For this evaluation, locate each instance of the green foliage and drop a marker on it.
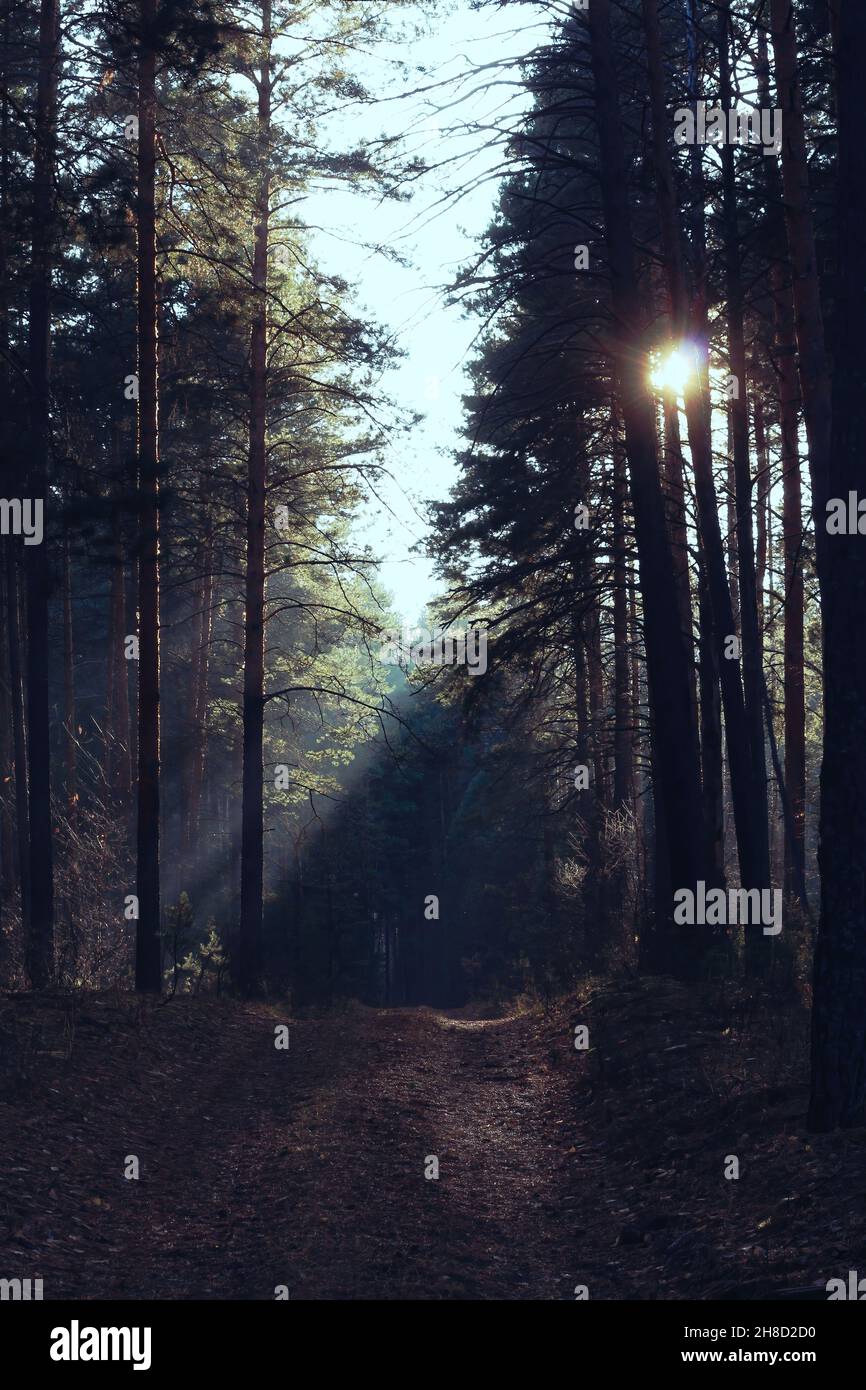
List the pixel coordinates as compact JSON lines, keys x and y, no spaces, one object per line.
{"x":196,"y":964}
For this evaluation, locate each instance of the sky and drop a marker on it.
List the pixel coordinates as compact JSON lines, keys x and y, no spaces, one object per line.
{"x":435,"y":338}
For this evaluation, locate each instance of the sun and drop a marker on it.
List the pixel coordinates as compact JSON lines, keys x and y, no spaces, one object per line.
{"x":673,"y":370}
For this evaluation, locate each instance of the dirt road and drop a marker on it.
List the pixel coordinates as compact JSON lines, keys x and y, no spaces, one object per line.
{"x":305,"y":1168}
{"x":310,"y":1169}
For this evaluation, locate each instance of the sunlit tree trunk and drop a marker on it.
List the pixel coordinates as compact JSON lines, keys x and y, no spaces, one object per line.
{"x":788,"y":391}
{"x":624,"y":718}
{"x":731,"y":520}
{"x":252,"y":831}
{"x":751,"y":826}
{"x":762,"y":491}
{"x":753,"y":676}
{"x":792,"y":542}
{"x":779,"y":346}
{"x":667,"y":657}
{"x":675,"y":506}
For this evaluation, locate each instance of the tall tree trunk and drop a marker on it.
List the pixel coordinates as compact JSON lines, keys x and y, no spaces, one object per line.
{"x":8,"y":864}
{"x":712,"y":758}
{"x":792,"y":540}
{"x":751,"y":827}
{"x":581,"y":685}
{"x":148,"y":947}
{"x":198,"y":696}
{"x":808,"y":316}
{"x":792,"y":518}
{"x":40,"y":944}
{"x":763,"y":491}
{"x":623,"y":767}
{"x":712,"y":754}
{"x":19,"y":734}
{"x":589,"y":801}
{"x":675,"y":506}
{"x":731,"y":520}
{"x":773,"y":610}
{"x":8,"y":848}
{"x":680,"y":314}
{"x":750,"y":633}
{"x":659,"y":951}
{"x":595,"y":672}
{"x":667,"y":658}
{"x":839,"y":1016}
{"x":641,"y":785}
{"x":252,"y":830}
{"x":118,"y":772}
{"x":192,"y":707}
{"x":70,"y":735}
{"x":233,"y":819}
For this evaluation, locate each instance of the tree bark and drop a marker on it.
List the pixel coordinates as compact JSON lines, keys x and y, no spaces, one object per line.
{"x":712,"y":755}
{"x":667,"y":658}
{"x":252,"y":828}
{"x":8,"y":845}
{"x":19,"y":735}
{"x":198,"y":695}
{"x":675,"y":507}
{"x":751,"y":827}
{"x":148,"y":946}
{"x":70,"y":736}
{"x":808,"y":316}
{"x":838,"y":1096}
{"x":753,"y":676}
{"x":118,"y":772}
{"x":792,"y":541}
{"x":788,"y":391}
{"x":8,"y":864}
{"x":623,"y":766}
{"x":40,"y":942}
{"x":763,"y":492}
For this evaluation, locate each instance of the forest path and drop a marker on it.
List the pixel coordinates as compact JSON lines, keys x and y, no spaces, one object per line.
{"x":302,"y":1167}
{"x":417,"y":1085}
{"x":305,"y":1167}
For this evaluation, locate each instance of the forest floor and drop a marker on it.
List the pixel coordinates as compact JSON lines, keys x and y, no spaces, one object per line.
{"x":305,"y":1167}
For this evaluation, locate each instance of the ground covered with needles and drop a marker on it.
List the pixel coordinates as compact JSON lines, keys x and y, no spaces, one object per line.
{"x":304,"y":1169}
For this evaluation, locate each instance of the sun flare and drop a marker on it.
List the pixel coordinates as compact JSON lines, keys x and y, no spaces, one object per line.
{"x":673,"y":370}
